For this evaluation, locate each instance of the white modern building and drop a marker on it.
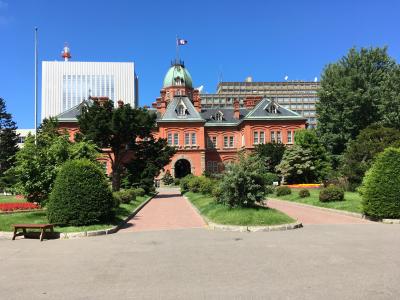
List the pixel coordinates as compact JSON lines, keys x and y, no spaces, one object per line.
{"x":23,"y":134}
{"x":65,"y":84}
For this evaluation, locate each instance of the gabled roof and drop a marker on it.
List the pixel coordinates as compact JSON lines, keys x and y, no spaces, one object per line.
{"x":228,"y":116}
{"x":71,"y":115}
{"x":171,"y":114}
{"x":261,"y":112}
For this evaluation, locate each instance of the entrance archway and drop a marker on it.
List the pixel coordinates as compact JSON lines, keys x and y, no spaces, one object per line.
{"x":182,"y":168}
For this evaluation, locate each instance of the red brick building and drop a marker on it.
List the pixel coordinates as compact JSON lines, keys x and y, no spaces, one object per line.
{"x":208,"y":138}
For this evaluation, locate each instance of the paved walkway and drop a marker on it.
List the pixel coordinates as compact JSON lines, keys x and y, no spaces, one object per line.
{"x":309,"y":215}
{"x":168,"y":210}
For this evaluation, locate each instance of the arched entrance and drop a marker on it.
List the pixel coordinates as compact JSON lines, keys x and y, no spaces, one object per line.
{"x":182,"y":168}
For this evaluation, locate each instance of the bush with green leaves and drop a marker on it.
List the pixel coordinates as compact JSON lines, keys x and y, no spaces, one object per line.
{"x":167,"y":179}
{"x":304,"y":193}
{"x":283,"y":190}
{"x":81,"y":195}
{"x":331,"y":193}
{"x":140,"y":192}
{"x":184,"y":183}
{"x":177,"y":181}
{"x":270,"y":178}
{"x":380,"y":189}
{"x":125,"y":196}
{"x":242,"y":184}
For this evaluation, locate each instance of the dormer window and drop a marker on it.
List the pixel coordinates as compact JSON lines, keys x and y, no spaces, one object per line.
{"x":272,"y":108}
{"x":181,"y":110}
{"x":219,"y":116}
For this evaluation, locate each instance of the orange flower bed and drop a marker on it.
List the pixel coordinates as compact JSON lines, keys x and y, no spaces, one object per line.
{"x":305,"y":186}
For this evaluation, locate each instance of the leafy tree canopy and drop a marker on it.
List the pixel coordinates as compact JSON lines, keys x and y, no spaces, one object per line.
{"x":360,"y":153}
{"x":124,"y":130}
{"x":8,"y":141}
{"x":297,"y":165}
{"x":360,"y":89}
{"x":271,"y":154}
{"x":308,"y":139}
{"x":37,"y":165}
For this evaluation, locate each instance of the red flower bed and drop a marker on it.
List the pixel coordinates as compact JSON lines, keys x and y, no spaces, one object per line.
{"x":18,"y":206}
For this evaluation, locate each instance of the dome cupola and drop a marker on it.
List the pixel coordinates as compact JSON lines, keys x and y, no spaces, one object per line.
{"x":178,"y":75}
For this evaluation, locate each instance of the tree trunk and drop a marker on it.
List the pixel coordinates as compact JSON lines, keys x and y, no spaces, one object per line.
{"x":116,"y":179}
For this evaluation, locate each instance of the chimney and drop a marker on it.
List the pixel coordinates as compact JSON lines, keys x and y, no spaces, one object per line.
{"x":251,"y":101}
{"x":197,"y":100}
{"x":100,"y":100}
{"x":154,"y":104}
{"x":120,"y":103}
{"x":236,"y":112}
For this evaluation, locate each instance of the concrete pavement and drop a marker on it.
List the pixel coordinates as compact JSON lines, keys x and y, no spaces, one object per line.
{"x":316,"y":262}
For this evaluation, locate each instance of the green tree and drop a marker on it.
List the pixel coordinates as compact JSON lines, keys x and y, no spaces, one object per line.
{"x":81,"y":195}
{"x":243,"y":183}
{"x":360,"y":153}
{"x":271,"y":154}
{"x":380,"y":189}
{"x":8,"y":143}
{"x":308,"y":139}
{"x":121,"y":130}
{"x":297,"y":165}
{"x":354,"y":93}
{"x":37,"y":165}
{"x":150,"y":158}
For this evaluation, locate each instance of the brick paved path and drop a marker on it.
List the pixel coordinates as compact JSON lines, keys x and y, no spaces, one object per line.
{"x":168,"y":210}
{"x":309,"y":215}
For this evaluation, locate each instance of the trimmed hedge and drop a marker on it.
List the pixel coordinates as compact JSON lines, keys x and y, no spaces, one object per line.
{"x":81,"y":195}
{"x":283,"y":190}
{"x":140,"y":192}
{"x":304,"y":193}
{"x":380,"y":189}
{"x":125,"y":196}
{"x":331,"y":193}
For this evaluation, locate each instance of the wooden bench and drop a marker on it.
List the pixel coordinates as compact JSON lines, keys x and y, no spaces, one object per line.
{"x":24,"y":227}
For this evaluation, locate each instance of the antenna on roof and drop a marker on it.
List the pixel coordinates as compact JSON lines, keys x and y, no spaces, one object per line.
{"x":220,"y":77}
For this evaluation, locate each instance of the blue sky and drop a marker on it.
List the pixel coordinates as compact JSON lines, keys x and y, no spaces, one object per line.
{"x":264,"y":39}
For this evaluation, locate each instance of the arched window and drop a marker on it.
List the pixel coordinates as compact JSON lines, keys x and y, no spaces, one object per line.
{"x":219,"y":116}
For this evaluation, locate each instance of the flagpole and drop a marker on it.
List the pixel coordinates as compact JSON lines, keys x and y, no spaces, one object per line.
{"x":177,"y":49}
{"x":36,"y":83}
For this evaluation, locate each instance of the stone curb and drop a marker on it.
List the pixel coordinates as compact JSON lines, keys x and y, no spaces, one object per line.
{"x":238,"y":228}
{"x":341,"y":212}
{"x":74,"y":235}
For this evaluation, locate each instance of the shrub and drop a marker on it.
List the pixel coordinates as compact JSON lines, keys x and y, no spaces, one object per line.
{"x":380,"y":189}
{"x":331,"y":193}
{"x":216,"y":191}
{"x":206,"y":185}
{"x":270,"y":178}
{"x":184,"y":183}
{"x":125,"y":196}
{"x":242,"y":184}
{"x":304,"y":193}
{"x":283,"y":190}
{"x":167,"y":178}
{"x":81,"y":195}
{"x":177,"y":181}
{"x":140,"y":192}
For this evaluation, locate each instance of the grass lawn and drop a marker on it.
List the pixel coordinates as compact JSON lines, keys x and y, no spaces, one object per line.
{"x":352,"y":200}
{"x":222,"y":214}
{"x":6,"y":220}
{"x":10,"y":199}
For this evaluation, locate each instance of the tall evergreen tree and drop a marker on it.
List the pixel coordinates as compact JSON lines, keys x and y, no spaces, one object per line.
{"x":357,"y":91}
{"x":119,"y":129}
{"x":8,"y":139}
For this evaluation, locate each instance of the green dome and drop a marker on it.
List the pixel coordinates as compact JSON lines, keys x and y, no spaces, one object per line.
{"x":177,"y":75}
